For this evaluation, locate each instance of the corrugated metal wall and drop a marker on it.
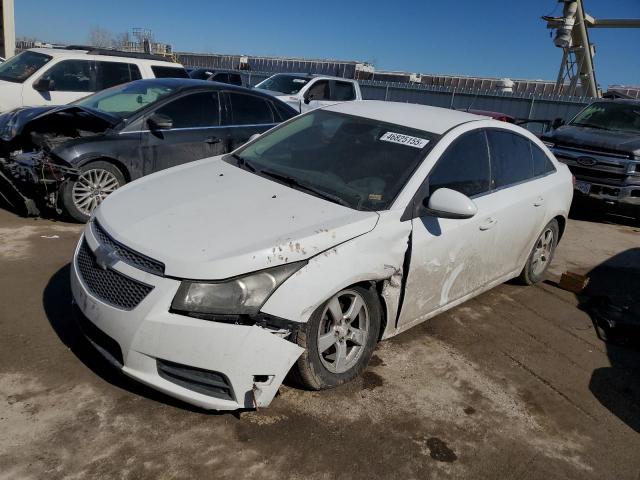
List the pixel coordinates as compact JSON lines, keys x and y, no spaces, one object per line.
{"x":522,"y":106}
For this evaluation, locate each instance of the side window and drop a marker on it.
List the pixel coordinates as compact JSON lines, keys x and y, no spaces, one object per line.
{"x":110,"y":74}
{"x":283,"y":112}
{"x":511,"y":160}
{"x":195,"y":110}
{"x":220,"y":77}
{"x":235,"y":79}
{"x":169,"y":72}
{"x":343,"y":91}
{"x":71,"y":76}
{"x":319,"y":90}
{"x":249,"y":109}
{"x":464,"y":166}
{"x":541,"y":163}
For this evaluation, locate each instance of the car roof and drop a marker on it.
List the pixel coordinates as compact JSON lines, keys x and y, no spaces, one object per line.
{"x":117,"y":56}
{"x":422,"y":117}
{"x":182,"y":84}
{"x":313,"y":75}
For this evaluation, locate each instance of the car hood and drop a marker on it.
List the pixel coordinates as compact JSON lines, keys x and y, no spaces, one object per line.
{"x":595,"y":139}
{"x":12,"y":123}
{"x":211,"y":220}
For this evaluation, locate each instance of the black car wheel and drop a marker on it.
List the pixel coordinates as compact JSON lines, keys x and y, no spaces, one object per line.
{"x":541,"y":255}
{"x":96,"y":181}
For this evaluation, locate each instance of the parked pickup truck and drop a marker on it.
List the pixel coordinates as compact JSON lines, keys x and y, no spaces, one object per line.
{"x":601,"y":146}
{"x":305,"y":92}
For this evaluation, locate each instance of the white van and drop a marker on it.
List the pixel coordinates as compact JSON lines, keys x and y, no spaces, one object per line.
{"x":56,"y":76}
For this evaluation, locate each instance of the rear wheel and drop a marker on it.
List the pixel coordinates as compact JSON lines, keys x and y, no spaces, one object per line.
{"x":96,"y":181}
{"x":542,"y":254}
{"x":338,"y":339}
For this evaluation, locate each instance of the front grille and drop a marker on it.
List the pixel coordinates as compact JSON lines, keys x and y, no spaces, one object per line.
{"x":108,"y":285}
{"x":598,"y":175}
{"x":206,"y":382}
{"x":126,"y":254}
{"x":102,"y":342}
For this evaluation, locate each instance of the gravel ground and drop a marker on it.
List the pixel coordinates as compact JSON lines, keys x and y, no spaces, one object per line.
{"x":513,"y":384}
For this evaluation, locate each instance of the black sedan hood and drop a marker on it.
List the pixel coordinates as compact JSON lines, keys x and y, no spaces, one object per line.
{"x":596,"y":139}
{"x":12,"y":123}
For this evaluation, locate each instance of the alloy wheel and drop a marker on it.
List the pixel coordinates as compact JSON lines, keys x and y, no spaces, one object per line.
{"x":343,"y":331}
{"x":542,"y":252}
{"x":92,"y":187}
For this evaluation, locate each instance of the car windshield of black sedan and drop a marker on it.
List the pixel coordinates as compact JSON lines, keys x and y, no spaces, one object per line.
{"x":357,"y":162}
{"x":287,"y":84}
{"x":125,"y":100}
{"x":623,"y":117}
{"x":22,"y":66}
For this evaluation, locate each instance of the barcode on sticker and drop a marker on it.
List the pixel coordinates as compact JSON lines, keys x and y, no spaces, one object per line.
{"x":407,"y":140}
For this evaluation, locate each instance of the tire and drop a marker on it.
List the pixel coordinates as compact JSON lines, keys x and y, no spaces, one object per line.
{"x":74,"y":192}
{"x":541,"y":255}
{"x":316,"y":370}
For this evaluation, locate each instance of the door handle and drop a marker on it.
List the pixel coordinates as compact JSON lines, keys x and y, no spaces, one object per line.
{"x":538,"y":202}
{"x":213,"y":140}
{"x":490,"y":223}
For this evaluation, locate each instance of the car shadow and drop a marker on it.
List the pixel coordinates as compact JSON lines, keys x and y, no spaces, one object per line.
{"x":612,"y":295}
{"x":598,"y":212}
{"x":56,"y":300}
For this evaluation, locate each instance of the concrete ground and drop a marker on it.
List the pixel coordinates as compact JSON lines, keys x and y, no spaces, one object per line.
{"x":513,"y":384}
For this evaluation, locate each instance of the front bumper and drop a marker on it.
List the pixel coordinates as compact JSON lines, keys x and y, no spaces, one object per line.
{"x":622,"y":195}
{"x":186,"y":358}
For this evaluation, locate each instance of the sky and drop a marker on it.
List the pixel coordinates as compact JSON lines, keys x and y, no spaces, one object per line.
{"x":496,"y":38}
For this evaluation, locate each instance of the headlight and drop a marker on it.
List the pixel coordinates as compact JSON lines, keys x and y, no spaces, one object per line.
{"x":242,"y":295}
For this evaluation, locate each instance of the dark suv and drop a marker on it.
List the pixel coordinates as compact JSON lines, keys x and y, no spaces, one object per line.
{"x":71,"y":157}
{"x":222,"y":76}
{"x":601,"y":146}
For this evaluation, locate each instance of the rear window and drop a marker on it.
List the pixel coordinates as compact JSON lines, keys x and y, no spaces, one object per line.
{"x":541,"y":163}
{"x":169,"y":72}
{"x":111,"y":74}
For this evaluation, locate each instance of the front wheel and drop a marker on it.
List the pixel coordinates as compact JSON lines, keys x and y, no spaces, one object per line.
{"x":338,"y":339}
{"x":96,"y":181}
{"x":540,"y":257}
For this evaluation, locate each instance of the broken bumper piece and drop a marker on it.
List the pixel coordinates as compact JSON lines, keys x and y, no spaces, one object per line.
{"x":208,"y":364}
{"x":28,"y":179}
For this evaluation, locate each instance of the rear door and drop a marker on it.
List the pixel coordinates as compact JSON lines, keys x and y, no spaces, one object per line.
{"x":522,"y":195}
{"x":246,"y":115}
{"x":452,"y":258}
{"x":196,"y":131}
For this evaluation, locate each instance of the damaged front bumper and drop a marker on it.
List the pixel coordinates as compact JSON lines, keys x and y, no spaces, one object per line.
{"x":32,"y":179}
{"x":209,"y":364}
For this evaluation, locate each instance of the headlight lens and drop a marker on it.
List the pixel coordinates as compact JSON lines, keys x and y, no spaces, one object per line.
{"x":242,"y":295}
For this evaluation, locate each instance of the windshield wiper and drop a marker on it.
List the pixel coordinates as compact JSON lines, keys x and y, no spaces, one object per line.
{"x":590,"y":125}
{"x":243,"y":163}
{"x":292,"y":182}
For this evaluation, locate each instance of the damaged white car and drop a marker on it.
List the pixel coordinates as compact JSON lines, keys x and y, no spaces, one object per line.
{"x":301,"y":250}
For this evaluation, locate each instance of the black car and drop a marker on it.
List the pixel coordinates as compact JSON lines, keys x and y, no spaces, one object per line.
{"x":222,"y":76}
{"x":71,"y":157}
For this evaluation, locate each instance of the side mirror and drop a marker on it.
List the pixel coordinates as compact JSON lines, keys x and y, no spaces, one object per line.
{"x":158,"y":121}
{"x":308,"y":98}
{"x":558,"y":122}
{"x":447,"y":203}
{"x":44,"y":85}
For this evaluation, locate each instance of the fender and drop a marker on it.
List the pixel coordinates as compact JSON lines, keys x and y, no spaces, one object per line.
{"x":376,"y":256}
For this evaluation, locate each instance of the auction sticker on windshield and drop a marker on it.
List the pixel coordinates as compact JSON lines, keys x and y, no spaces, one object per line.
{"x":401,"y":139}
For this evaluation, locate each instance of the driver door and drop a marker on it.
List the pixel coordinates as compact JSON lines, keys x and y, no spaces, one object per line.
{"x":318,"y":95}
{"x":452,"y":258}
{"x":195,"y":132}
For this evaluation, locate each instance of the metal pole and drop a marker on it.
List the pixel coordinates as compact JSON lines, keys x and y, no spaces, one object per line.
{"x":386,"y":93}
{"x":587,"y":75}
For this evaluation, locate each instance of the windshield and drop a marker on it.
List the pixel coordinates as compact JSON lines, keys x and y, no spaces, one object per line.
{"x":125,"y":100}
{"x":623,"y":117}
{"x":287,"y":84}
{"x":22,"y":66}
{"x":354,"y":161}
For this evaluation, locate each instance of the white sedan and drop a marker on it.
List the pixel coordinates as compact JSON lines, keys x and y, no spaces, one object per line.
{"x":301,"y":250}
